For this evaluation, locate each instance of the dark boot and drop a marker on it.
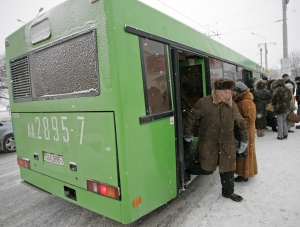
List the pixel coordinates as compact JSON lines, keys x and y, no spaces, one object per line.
{"x":233,"y":196}
{"x":274,"y":129}
{"x":240,"y":179}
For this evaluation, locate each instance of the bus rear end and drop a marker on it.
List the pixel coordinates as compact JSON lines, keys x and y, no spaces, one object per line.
{"x":71,"y":113}
{"x":66,"y":138}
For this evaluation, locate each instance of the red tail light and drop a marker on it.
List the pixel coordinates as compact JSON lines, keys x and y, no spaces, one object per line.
{"x":103,"y":189}
{"x":25,"y":162}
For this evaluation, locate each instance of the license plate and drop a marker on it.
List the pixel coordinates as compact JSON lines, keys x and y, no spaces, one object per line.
{"x":54,"y":158}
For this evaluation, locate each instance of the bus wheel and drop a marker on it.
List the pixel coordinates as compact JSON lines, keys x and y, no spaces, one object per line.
{"x":9,"y":144}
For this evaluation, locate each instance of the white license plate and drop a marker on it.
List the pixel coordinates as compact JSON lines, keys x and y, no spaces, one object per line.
{"x":54,"y":158}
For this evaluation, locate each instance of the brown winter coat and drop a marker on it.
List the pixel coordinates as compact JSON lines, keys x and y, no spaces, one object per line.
{"x":247,"y":166}
{"x":217,"y":122}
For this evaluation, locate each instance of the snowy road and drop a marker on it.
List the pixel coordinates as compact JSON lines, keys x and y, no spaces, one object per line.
{"x":271,"y":198}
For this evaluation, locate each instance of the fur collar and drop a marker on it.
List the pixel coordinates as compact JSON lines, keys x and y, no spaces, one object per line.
{"x":217,"y":100}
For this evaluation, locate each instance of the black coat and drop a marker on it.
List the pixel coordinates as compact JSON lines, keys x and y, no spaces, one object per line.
{"x":262,"y":97}
{"x":298,"y":93}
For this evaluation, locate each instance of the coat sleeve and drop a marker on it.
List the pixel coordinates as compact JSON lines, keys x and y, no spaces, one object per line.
{"x":248,"y":112}
{"x":240,"y":127}
{"x":192,"y":118}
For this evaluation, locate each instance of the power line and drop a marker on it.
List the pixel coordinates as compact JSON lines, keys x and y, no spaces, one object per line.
{"x":240,"y":13}
{"x":186,"y":16}
{"x":243,"y":29}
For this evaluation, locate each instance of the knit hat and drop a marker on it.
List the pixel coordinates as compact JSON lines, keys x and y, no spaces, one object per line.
{"x":240,"y":87}
{"x":297,"y":78}
{"x":224,"y":84}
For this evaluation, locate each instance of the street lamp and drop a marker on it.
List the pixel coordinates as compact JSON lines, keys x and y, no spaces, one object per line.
{"x":266,"y":50}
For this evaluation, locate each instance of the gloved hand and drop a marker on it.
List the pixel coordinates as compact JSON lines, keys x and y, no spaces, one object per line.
{"x":188,"y":138}
{"x":242,"y":151}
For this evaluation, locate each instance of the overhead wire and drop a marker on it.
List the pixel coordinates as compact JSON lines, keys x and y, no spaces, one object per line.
{"x":240,"y":13}
{"x":185,"y":16}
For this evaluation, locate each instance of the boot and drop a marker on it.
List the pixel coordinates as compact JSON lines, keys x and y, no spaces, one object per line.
{"x":262,"y":133}
{"x":258,"y":132}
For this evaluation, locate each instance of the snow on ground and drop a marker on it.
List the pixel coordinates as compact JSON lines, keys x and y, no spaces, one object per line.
{"x":271,"y":198}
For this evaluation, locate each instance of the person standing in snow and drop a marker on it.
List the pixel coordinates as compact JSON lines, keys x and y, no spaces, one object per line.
{"x":290,"y":123}
{"x":281,"y":100}
{"x":218,"y":118}
{"x":271,"y":118}
{"x":262,"y":97}
{"x":246,"y":166}
{"x":297,"y":81}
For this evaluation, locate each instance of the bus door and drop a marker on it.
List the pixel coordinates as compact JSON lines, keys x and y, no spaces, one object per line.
{"x":189,"y":76}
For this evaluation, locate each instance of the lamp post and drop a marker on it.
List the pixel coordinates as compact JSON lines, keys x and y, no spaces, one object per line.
{"x":266,"y":50}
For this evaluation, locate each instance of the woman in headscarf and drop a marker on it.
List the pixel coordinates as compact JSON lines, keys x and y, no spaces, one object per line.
{"x":246,"y":166}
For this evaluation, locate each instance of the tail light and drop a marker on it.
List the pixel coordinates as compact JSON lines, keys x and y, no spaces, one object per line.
{"x":25,"y":162}
{"x":103,"y":189}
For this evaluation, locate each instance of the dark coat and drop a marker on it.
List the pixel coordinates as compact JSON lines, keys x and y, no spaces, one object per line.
{"x":281,"y":98}
{"x":247,"y":166}
{"x":298,"y":93}
{"x":262,"y":97}
{"x":217,"y":122}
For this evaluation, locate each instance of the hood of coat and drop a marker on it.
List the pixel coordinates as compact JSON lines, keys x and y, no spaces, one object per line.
{"x":279,"y":83}
{"x":217,"y":100}
{"x":245,"y":95}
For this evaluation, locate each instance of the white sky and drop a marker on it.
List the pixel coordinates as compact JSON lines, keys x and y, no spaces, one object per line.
{"x":236,"y":20}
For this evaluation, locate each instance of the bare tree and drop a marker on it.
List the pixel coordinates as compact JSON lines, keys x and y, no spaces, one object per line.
{"x":295,"y":58}
{"x":3,"y":77}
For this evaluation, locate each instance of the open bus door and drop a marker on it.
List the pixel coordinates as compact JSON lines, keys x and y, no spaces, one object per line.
{"x":189,"y":84}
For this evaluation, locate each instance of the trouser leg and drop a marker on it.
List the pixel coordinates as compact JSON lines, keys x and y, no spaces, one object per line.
{"x":227,"y":181}
{"x":285,"y":127}
{"x":280,"y":125}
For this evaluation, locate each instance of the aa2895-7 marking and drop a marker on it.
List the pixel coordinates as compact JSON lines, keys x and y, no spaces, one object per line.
{"x":44,"y":128}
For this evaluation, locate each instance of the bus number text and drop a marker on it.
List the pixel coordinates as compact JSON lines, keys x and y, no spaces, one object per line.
{"x":53,"y":128}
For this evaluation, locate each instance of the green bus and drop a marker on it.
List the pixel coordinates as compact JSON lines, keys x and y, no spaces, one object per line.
{"x":98,"y":94}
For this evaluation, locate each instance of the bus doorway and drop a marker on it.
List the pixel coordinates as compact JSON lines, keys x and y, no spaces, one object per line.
{"x":190,"y":85}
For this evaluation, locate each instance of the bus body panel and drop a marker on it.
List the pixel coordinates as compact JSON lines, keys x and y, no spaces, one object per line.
{"x":85,"y":141}
{"x":97,"y":203}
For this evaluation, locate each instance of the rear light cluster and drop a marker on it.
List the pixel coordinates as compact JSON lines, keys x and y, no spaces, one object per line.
{"x":25,"y":162}
{"x":103,"y":189}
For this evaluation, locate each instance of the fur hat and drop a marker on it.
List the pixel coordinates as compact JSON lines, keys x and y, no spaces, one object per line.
{"x":224,"y":84}
{"x":240,"y":87}
{"x":261,"y":84}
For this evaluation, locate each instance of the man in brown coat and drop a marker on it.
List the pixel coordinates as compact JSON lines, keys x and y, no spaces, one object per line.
{"x":219,"y":120}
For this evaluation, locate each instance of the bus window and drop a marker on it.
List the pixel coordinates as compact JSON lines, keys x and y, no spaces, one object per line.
{"x":240,"y":73}
{"x":230,"y":71}
{"x":155,"y":77}
{"x":216,"y":70}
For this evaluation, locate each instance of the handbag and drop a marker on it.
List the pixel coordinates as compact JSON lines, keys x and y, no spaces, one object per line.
{"x":293,"y":117}
{"x":270,"y":107}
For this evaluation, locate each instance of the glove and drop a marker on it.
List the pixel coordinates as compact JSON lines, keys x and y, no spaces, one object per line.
{"x":242,"y":151}
{"x":188,"y":138}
